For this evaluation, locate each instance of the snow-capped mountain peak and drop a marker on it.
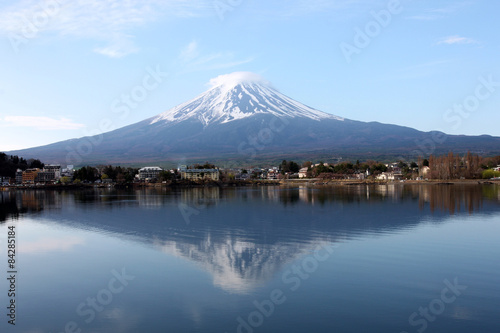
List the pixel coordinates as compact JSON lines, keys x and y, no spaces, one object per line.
{"x":237,"y":96}
{"x":229,"y":81}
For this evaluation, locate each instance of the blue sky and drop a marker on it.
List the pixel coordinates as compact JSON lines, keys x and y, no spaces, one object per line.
{"x":65,"y":66}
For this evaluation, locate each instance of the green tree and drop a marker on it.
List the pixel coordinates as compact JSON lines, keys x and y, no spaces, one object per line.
{"x":165,"y":176}
{"x":65,"y":180}
{"x":33,"y":163}
{"x":490,"y":173}
{"x":87,"y":173}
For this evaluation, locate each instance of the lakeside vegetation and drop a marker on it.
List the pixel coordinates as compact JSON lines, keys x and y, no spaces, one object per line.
{"x":445,"y":167}
{"x":10,"y":163}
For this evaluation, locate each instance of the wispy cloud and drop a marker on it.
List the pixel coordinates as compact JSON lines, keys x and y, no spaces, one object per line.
{"x":121,"y":46}
{"x":450,"y":40}
{"x":110,"y":21}
{"x":192,"y":59}
{"x":41,"y":123}
{"x":297,"y":8}
{"x":439,"y":13}
{"x":417,"y":71}
{"x":190,"y":52}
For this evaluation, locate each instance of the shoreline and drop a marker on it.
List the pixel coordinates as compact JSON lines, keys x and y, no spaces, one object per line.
{"x":232,"y":184}
{"x":320,"y":182}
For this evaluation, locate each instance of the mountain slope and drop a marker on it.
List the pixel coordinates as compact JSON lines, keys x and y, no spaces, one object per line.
{"x":239,"y":96}
{"x":243,"y":118}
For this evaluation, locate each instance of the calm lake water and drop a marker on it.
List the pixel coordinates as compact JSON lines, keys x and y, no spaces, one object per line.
{"x":389,"y":258}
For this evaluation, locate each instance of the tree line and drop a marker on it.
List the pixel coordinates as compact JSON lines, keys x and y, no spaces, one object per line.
{"x":10,"y":163}
{"x":468,"y":166}
{"x":116,"y":174}
{"x":340,"y":170}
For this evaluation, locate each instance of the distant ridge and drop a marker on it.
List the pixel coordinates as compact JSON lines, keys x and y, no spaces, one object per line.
{"x":243,"y":119}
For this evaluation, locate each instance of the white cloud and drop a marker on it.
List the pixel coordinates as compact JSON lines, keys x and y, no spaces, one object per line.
{"x":193,"y":60}
{"x":120,"y":47}
{"x":439,"y":13}
{"x":105,"y":20}
{"x":297,"y":8}
{"x":457,"y":40}
{"x":190,"y":52}
{"x":425,"y":17}
{"x":236,"y":78}
{"x":41,"y":123}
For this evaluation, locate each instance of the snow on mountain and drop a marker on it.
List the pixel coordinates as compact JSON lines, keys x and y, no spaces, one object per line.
{"x":236,"y":120}
{"x":237,"y":96}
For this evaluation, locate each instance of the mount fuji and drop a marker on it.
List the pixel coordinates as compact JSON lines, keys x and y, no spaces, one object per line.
{"x":242,"y":118}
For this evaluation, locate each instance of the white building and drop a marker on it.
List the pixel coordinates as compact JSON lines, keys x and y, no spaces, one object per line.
{"x":149,"y":173}
{"x":68,"y":171}
{"x":4,"y":181}
{"x":389,"y":176}
{"x":200,"y":174}
{"x":53,"y":169}
{"x":425,"y":171}
{"x":303,"y":173}
{"x":19,"y":176}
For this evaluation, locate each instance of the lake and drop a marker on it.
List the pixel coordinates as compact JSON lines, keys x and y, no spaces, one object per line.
{"x":382,"y":258}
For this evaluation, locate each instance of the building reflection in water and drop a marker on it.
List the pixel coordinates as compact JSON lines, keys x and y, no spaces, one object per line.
{"x":444,"y":198}
{"x":254,"y":232}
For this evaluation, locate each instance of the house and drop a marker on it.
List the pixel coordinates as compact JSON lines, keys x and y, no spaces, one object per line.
{"x":272,"y":175}
{"x":200,"y":174}
{"x":497,"y":168}
{"x":4,"y":181}
{"x":242,"y":176}
{"x":45,"y":176}
{"x":55,"y":169}
{"x":29,"y":176}
{"x":68,"y":171}
{"x":425,"y":171}
{"x":149,"y":173}
{"x":303,"y":172}
{"x":389,"y":176}
{"x":385,"y":176}
{"x":359,"y":176}
{"x":19,"y":176}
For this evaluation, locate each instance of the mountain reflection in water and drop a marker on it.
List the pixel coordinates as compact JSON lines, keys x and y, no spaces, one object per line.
{"x":243,"y":237}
